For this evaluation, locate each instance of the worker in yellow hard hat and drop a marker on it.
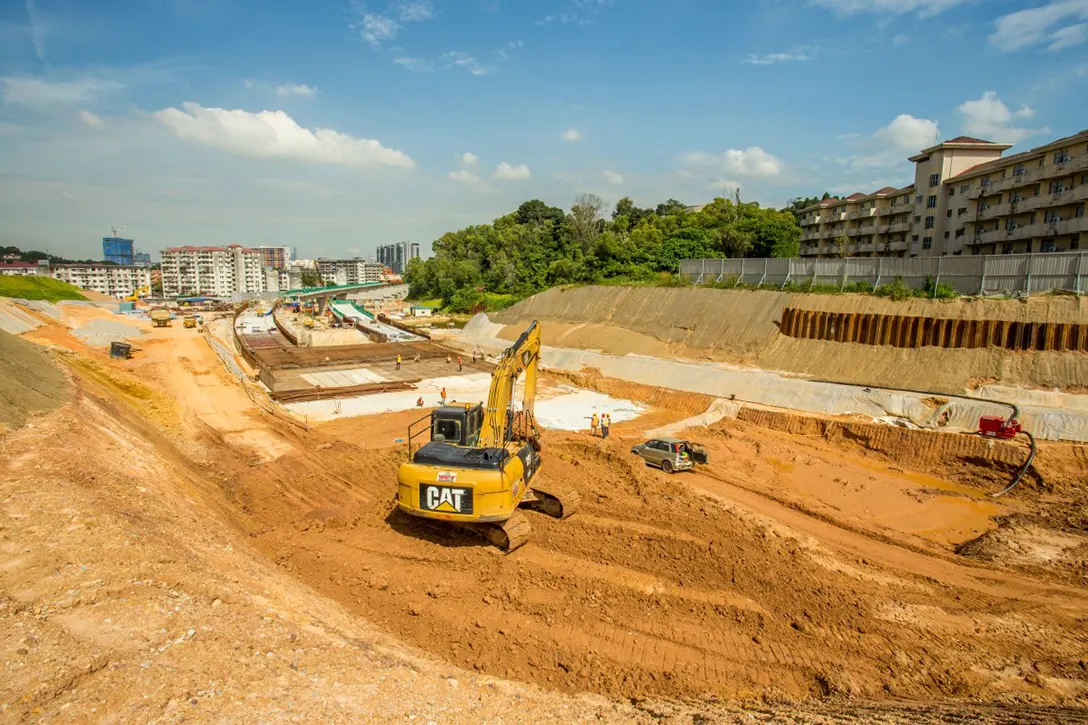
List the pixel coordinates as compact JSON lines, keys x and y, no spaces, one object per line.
{"x":398,"y":361}
{"x":594,"y":423}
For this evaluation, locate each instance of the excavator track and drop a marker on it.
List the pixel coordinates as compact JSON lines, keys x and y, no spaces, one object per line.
{"x":510,"y":535}
{"x":555,"y":500}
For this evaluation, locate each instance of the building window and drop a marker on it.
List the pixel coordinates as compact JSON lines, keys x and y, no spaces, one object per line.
{"x":931,"y":202}
{"x":1057,"y":187}
{"x":934,"y":179}
{"x":1006,"y":248}
{"x":949,"y":214}
{"x":1053,"y":217}
{"x":917,"y":218}
{"x":1074,"y":242}
{"x":946,"y":235}
{"x":1048,"y":246}
{"x":965,"y":188}
{"x":1061,"y":157}
{"x":929,"y":222}
{"x":961,"y":211}
{"x":914,"y":238}
{"x":1019,"y":170}
{"x":959,"y":233}
{"x":927,"y":243}
{"x":918,"y":199}
{"x":1038,"y":189}
{"x":951,"y":191}
{"x":1028,"y":247}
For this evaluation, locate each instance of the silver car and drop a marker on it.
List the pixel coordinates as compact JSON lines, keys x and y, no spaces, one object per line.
{"x":670,"y":454}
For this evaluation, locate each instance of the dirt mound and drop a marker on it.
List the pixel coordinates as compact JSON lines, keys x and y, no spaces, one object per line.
{"x":742,"y":327}
{"x":30,"y":382}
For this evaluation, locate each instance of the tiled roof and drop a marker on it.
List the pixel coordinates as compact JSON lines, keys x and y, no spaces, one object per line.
{"x":855,"y":197}
{"x":17,"y":265}
{"x":967,"y":139}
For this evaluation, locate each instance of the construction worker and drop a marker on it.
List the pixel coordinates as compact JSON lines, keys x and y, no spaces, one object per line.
{"x":443,"y":395}
{"x":460,"y":363}
{"x":606,"y":424}
{"x":448,"y":359}
{"x":594,"y":424}
{"x":419,"y":402}
{"x":474,"y":355}
{"x":398,"y":361}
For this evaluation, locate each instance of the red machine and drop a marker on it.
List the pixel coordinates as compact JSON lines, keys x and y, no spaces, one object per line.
{"x":993,"y":426}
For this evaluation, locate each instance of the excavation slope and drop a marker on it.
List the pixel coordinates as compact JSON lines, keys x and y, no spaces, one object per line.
{"x":740,"y":326}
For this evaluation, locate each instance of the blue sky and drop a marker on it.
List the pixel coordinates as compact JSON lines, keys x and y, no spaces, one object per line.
{"x":337,"y":126}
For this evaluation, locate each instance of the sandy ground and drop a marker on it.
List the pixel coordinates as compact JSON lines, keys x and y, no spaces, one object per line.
{"x":194,"y":559}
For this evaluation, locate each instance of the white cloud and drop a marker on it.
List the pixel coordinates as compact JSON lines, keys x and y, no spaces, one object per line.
{"x":415,"y":65}
{"x":470,"y":160}
{"x":510,"y":49}
{"x":901,"y":40}
{"x":572,"y":135}
{"x":506,"y":172}
{"x":1040,"y":26}
{"x":378,"y":28}
{"x":90,"y":119}
{"x":773,"y":58}
{"x":471,"y":180}
{"x":275,"y":135}
{"x":296,"y":89}
{"x":411,"y":12}
{"x":923,"y":8}
{"x":37,"y":29}
{"x":466,"y":61}
{"x":907,"y":133}
{"x":889,"y":146}
{"x":38,"y":92}
{"x":989,"y":118}
{"x":750,"y":162}
{"x":248,"y":84}
{"x":612,"y":177}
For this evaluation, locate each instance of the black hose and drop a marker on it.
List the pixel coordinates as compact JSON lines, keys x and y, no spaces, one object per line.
{"x":1015,"y":416}
{"x":1023,"y":469}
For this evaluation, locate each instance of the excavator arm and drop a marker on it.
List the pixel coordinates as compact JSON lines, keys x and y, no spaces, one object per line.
{"x":521,"y":357}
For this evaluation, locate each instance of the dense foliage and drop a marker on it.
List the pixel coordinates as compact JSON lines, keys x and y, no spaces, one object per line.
{"x":540,"y":246}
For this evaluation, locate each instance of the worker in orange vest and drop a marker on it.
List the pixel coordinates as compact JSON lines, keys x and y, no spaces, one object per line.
{"x":460,"y":363}
{"x":443,"y":395}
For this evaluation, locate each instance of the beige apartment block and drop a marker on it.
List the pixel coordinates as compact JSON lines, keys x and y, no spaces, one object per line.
{"x":965,"y":199}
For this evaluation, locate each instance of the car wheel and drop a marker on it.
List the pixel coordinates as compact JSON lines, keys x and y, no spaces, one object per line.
{"x":635,"y":451}
{"x":666,"y":466}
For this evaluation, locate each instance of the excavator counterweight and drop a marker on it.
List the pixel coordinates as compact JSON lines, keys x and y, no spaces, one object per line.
{"x":479,"y":464}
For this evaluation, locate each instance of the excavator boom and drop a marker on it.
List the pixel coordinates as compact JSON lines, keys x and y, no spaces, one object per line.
{"x":521,"y":357}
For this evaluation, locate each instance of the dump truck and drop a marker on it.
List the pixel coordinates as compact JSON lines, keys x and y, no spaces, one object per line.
{"x":189,"y":321}
{"x":160,"y":317}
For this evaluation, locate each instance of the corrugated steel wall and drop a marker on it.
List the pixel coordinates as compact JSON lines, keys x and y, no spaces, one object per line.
{"x":983,"y":274}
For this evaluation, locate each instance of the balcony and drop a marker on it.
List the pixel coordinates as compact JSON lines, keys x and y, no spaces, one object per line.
{"x":1068,"y":226}
{"x":1012,"y":181}
{"x":897,"y":246}
{"x":884,"y":211}
{"x":982,"y":190}
{"x":861,"y":214}
{"x":900,"y":227}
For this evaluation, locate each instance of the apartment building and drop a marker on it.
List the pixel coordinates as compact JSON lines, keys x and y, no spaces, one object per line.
{"x":17,"y":268}
{"x":349,"y":271}
{"x":274,"y":257}
{"x":108,"y":279}
{"x":966,"y":199}
{"x":211,"y":271}
{"x":396,"y":256}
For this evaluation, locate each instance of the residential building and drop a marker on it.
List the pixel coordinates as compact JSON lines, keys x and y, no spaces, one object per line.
{"x":349,"y":271}
{"x":211,"y":271}
{"x":16,"y":268}
{"x":396,"y":256}
{"x":115,"y":280}
{"x":290,"y":279}
{"x":118,"y":250}
{"x":274,"y":257}
{"x":966,"y":199}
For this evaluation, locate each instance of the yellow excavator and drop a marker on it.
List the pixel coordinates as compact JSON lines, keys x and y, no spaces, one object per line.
{"x":480,"y":464}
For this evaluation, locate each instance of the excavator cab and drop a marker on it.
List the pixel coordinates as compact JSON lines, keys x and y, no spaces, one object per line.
{"x":457,"y":424}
